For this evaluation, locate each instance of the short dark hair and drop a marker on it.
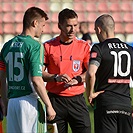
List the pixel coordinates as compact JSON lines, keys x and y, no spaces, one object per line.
{"x":106,"y":22}
{"x":84,"y":23}
{"x":31,"y":14}
{"x":66,"y":14}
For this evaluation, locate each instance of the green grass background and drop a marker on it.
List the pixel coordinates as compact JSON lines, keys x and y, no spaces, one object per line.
{"x":91,"y":116}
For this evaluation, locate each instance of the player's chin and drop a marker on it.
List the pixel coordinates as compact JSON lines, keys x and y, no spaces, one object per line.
{"x":37,"y":36}
{"x":71,"y":36}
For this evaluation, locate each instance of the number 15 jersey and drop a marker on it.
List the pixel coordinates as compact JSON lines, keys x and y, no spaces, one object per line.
{"x":114,"y":59}
{"x":23,"y":58}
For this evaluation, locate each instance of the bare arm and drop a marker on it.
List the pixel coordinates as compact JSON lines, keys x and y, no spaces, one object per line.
{"x":132,"y":74}
{"x":76,"y":80}
{"x":47,"y":77}
{"x":83,"y":75}
{"x":90,"y":82}
{"x":41,"y":90}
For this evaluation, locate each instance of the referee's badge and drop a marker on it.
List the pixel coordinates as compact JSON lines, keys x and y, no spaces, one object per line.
{"x":76,"y":65}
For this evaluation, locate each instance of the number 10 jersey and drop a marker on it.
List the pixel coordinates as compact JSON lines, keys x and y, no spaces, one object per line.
{"x":114,"y":59}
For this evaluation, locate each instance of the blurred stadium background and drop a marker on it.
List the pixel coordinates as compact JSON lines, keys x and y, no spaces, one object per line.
{"x":11,"y":14}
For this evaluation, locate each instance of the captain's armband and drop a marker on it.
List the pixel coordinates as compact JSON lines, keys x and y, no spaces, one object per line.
{"x":94,"y":62}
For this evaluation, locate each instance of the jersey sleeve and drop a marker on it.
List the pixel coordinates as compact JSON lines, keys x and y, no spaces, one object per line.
{"x":2,"y":64}
{"x":87,"y":54}
{"x":36,"y":60}
{"x":95,"y":56}
{"x":46,"y":49}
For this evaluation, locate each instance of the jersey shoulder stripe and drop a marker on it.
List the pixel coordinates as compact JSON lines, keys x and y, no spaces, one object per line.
{"x":2,"y":66}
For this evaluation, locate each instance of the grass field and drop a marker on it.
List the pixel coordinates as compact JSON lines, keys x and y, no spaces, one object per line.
{"x":69,"y":130}
{"x":91,"y":116}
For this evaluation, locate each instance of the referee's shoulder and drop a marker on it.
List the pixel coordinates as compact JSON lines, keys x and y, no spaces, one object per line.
{"x":81,"y":41}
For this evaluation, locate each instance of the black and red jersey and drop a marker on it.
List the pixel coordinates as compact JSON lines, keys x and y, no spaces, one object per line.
{"x":114,"y":59}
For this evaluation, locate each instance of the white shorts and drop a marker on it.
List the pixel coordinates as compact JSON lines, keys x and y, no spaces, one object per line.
{"x":22,"y":115}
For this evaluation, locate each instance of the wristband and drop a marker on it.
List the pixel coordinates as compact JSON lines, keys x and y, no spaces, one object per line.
{"x":78,"y":78}
{"x":55,"y":77}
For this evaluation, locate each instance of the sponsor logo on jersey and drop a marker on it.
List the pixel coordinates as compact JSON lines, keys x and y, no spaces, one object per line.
{"x":17,"y":87}
{"x":93,"y":55}
{"x":119,"y":81}
{"x":40,"y":67}
{"x":76,"y":65}
{"x":118,"y":112}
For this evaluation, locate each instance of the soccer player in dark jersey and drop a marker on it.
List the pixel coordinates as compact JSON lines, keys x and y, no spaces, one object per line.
{"x":21,"y":60}
{"x":107,"y":79}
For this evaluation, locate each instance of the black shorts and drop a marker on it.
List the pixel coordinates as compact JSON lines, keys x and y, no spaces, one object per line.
{"x":72,"y":110}
{"x":113,"y":120}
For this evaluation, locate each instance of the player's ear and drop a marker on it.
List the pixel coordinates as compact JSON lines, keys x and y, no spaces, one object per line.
{"x":34,"y":23}
{"x":99,"y":30}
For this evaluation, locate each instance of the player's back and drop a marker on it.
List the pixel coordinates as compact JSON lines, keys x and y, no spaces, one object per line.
{"x":114,"y":72}
{"x":17,"y":55}
{"x":116,"y":62}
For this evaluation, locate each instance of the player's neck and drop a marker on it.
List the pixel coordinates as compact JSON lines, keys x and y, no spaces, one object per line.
{"x":65,"y":43}
{"x":28,"y":32}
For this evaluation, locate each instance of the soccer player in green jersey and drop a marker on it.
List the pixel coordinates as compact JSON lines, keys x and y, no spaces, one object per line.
{"x":21,"y":60}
